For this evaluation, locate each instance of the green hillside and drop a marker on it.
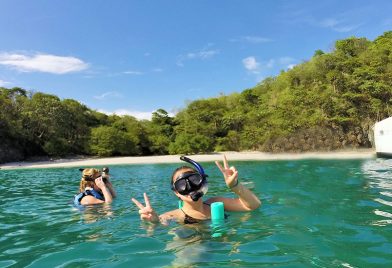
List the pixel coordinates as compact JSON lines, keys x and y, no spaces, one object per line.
{"x":329,"y":102}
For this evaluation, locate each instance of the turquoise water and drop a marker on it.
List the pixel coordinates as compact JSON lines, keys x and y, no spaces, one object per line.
{"x":315,"y":213}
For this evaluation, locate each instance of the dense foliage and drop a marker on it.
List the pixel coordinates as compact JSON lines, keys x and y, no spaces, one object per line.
{"x":329,"y":102}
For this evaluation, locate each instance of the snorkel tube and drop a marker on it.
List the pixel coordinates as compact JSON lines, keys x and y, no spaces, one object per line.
{"x":198,"y":167}
{"x":195,"y":195}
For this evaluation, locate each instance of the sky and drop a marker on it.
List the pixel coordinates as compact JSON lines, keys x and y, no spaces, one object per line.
{"x":136,"y":56}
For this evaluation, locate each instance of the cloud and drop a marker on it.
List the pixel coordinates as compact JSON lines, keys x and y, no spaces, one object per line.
{"x":202,"y":54}
{"x":42,"y":63}
{"x":329,"y":23}
{"x":157,"y":70}
{"x":291,"y":66}
{"x":338,"y":25}
{"x":137,"y":114}
{"x":270,"y":64}
{"x":286,"y":60}
{"x":261,"y":69}
{"x":251,"y":64}
{"x":133,"y":72}
{"x":252,"y":39}
{"x":4,"y":83}
{"x":342,"y":22}
{"x":106,"y":95}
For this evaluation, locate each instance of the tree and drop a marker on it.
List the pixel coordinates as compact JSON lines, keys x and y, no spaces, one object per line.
{"x":109,"y":141}
{"x":160,"y":132}
{"x":135,"y":130}
{"x":77,"y":126}
{"x":186,"y":143}
{"x":318,"y":52}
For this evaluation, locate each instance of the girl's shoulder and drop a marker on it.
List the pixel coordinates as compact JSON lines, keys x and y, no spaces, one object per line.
{"x":173,"y":215}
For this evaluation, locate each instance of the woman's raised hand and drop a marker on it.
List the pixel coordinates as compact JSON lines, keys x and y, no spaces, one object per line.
{"x":230,"y":173}
{"x":146,"y":212}
{"x":100,"y":183}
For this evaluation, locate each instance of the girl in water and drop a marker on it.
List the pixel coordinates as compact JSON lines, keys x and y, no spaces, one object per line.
{"x":95,"y":187}
{"x":189,"y":185}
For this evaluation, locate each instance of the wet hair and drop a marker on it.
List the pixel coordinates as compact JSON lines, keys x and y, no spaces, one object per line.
{"x":88,"y":178}
{"x":190,"y":169}
{"x":84,"y":184}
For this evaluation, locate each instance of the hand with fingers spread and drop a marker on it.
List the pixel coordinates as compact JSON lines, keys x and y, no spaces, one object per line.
{"x":146,"y":212}
{"x":230,"y":173}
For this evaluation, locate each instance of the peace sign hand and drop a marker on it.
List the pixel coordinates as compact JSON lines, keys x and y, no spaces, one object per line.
{"x":147,"y":213}
{"x":230,"y":173}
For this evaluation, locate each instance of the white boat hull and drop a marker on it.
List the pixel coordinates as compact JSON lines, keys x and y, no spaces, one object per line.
{"x":383,"y":138}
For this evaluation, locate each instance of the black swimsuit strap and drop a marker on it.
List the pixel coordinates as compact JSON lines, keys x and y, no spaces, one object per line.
{"x":189,"y":219}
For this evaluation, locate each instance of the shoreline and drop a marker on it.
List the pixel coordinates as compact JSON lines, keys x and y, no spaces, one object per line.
{"x":231,"y":156}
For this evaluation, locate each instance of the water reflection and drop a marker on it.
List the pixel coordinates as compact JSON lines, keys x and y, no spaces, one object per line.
{"x":379,"y":172}
{"x":196,"y":243}
{"x":91,"y":214}
{"x":187,"y":245}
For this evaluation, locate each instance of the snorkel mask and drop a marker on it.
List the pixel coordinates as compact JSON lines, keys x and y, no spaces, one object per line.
{"x":191,"y":183}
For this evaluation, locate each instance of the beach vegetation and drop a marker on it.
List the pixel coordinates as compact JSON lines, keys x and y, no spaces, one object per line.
{"x":328,"y":102}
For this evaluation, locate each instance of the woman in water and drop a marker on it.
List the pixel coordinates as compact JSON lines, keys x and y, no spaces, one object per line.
{"x":95,"y":187}
{"x":189,"y":185}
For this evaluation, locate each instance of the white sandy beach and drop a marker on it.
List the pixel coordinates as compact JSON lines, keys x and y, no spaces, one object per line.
{"x":242,"y":156}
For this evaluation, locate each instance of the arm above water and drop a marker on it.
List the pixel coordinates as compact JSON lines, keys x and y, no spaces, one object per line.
{"x":246,"y":200}
{"x":105,"y":190}
{"x":91,"y":200}
{"x":170,"y":216}
{"x":109,"y":185}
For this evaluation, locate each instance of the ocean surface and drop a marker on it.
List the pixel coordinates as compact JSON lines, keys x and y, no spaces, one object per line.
{"x":315,"y":213}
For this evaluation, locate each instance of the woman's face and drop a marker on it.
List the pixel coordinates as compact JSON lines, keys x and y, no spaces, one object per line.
{"x":192,"y":185}
{"x":174,"y":179}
